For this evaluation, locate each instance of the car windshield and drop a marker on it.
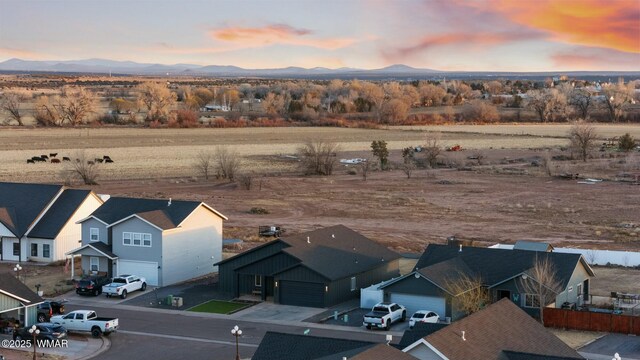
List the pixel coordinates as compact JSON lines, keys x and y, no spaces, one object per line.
{"x":418,"y":316}
{"x":120,"y":281}
{"x":380,"y":309}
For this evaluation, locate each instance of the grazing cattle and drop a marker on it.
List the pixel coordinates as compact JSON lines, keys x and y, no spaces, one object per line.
{"x":35,"y":158}
{"x":66,"y":158}
{"x":106,"y":157}
{"x":90,"y":162}
{"x":98,"y":160}
{"x":44,"y":157}
{"x":55,"y":161}
{"x":30,"y":161}
{"x":108,"y":161}
{"x":53,"y":154}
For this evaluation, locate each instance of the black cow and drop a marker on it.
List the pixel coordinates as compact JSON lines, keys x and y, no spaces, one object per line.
{"x":30,"y":161}
{"x":106,"y":157}
{"x":44,"y":157}
{"x":66,"y":158}
{"x":108,"y":161}
{"x":98,"y":160}
{"x":55,"y":161}
{"x":90,"y":162}
{"x":53,"y":154}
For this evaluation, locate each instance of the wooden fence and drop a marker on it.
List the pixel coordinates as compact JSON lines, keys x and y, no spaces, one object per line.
{"x":591,"y":321}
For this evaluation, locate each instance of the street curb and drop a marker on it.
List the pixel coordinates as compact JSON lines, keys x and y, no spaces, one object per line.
{"x":592,"y":341}
{"x":322,"y":320}
{"x":106,"y":345}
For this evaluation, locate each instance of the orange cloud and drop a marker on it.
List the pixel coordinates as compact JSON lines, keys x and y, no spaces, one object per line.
{"x":595,"y":59}
{"x":276,"y":34}
{"x":19,"y":53}
{"x":602,"y":23}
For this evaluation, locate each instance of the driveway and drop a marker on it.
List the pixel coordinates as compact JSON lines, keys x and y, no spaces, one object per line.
{"x":101,"y":300}
{"x":627,"y":346}
{"x":271,"y":311}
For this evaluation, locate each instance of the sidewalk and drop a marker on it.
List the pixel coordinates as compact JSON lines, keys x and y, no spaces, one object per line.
{"x":80,"y":347}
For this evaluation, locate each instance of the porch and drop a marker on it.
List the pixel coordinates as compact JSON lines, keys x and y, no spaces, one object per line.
{"x":96,"y":258}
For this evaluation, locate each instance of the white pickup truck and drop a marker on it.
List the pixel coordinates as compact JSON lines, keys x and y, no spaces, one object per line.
{"x":86,"y":320}
{"x":124,"y":284}
{"x":384,"y":314}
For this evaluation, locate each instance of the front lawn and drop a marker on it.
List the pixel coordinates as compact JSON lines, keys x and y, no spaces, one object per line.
{"x":219,"y":307}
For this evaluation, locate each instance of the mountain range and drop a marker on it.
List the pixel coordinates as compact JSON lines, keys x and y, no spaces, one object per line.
{"x":103,"y":66}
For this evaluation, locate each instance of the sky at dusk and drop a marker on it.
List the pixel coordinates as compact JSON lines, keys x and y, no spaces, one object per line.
{"x":450,"y":35}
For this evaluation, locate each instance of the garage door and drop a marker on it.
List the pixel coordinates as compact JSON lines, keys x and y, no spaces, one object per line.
{"x":301,"y":294}
{"x":146,"y":269}
{"x":414,"y":303}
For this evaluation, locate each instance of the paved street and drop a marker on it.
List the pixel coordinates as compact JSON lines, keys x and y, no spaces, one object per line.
{"x":161,"y":334}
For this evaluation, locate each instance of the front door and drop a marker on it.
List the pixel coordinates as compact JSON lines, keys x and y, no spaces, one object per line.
{"x":501,"y":294}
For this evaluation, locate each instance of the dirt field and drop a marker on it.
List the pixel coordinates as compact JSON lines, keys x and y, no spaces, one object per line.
{"x":615,"y":279}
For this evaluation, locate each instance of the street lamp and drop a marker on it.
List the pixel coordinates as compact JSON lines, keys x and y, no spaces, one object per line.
{"x":34,"y":331}
{"x":237,"y":333}
{"x":17,"y":269}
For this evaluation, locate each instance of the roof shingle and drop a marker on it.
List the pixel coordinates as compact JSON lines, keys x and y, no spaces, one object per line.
{"x":156,"y":211}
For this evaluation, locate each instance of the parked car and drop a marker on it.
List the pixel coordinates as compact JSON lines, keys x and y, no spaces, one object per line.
{"x":49,"y":308}
{"x":424,"y":316}
{"x":87,"y":320}
{"x":48,"y":331}
{"x":124,"y":284}
{"x":91,"y":285}
{"x":384,"y":314}
{"x":270,"y":231}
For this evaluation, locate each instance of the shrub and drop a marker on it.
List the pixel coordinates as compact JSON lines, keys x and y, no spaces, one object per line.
{"x":258,"y":211}
{"x":626,"y":142}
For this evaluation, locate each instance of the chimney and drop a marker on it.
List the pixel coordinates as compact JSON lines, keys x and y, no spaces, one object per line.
{"x":463,"y":339}
{"x":169,"y":204}
{"x":308,"y":240}
{"x":460,"y":248}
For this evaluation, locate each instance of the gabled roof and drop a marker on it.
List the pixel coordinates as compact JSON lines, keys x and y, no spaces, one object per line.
{"x":514,"y":355}
{"x":494,"y":266}
{"x":157,"y":212}
{"x":59,"y":213}
{"x":14,"y":288}
{"x":21,"y":204}
{"x":445,"y":273}
{"x":419,"y":331}
{"x":382,"y":352}
{"x":280,"y":346}
{"x":532,"y":245}
{"x":97,"y":246}
{"x":336,"y":252}
{"x":499,"y":327}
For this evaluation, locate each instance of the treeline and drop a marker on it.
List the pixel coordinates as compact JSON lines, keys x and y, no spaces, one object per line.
{"x":322,"y":102}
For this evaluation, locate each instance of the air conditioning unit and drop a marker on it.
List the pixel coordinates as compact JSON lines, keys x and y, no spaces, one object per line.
{"x":177,"y":301}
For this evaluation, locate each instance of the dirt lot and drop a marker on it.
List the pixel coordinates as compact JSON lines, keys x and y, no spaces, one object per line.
{"x":615,"y":279}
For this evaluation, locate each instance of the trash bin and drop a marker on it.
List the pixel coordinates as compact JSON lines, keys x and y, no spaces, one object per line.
{"x":170,"y":300}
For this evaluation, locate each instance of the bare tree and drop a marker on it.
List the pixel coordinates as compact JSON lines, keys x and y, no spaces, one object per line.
{"x":157,"y":99}
{"x":582,"y":136}
{"x":394,"y":111}
{"x":75,"y":105}
{"x":10,"y":104}
{"x":227,"y":163}
{"x":478,"y":110}
{"x":273,"y":104}
{"x":408,"y":167}
{"x":364,"y":167}
{"x":46,"y":114}
{"x":432,"y":148}
{"x":318,"y":157}
{"x":469,"y":292}
{"x":245,"y":180}
{"x":85,"y":168}
{"x":617,"y":99}
{"x":549,"y":104}
{"x":582,"y":101}
{"x":540,"y":284}
{"x":204,"y":163}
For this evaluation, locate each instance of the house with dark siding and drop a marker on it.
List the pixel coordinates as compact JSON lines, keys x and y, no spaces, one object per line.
{"x":319,"y":268}
{"x":500,"y":271}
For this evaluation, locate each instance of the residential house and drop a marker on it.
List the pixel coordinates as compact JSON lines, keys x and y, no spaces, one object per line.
{"x":17,"y":301}
{"x":501,"y":331}
{"x":164,"y":241}
{"x":319,"y":268}
{"x":501,"y":271}
{"x":38,"y":221}
{"x":280,"y":346}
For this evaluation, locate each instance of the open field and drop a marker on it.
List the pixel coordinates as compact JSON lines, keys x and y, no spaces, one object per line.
{"x":542,"y":130}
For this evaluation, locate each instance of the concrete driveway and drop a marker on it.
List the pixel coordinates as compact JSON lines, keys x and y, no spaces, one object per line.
{"x":271,"y":311}
{"x":626,"y":345}
{"x":100,"y":300}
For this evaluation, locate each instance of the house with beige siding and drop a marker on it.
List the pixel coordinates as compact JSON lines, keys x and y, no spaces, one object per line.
{"x":164,"y":241}
{"x":38,"y":221}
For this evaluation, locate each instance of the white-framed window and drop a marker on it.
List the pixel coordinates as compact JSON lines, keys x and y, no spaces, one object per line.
{"x":94,"y":263}
{"x":136,"y":239}
{"x":531,"y":300}
{"x":579,"y":289}
{"x":353,"y":283}
{"x":258,"y":281}
{"x":46,"y":250}
{"x":94,"y":234}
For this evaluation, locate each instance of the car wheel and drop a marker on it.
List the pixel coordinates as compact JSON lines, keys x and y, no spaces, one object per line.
{"x":95,"y":332}
{"x":144,"y":287}
{"x":42,"y":318}
{"x":96,"y":292}
{"x":411,"y":327}
{"x":108,"y":295}
{"x":386,"y":327}
{"x":124,"y":294}
{"x":368,"y":327}
{"x":404,"y":316}
{"x":106,"y":334}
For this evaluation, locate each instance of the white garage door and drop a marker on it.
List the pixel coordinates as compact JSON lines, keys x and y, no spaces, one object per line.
{"x":146,"y":269}
{"x":414,"y":303}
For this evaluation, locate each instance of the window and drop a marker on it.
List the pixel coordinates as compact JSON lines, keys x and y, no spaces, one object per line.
{"x":531,"y":301}
{"x":94,"y":263}
{"x":34,"y":249}
{"x":353,"y":283}
{"x":579,"y":290}
{"x":136,"y":239}
{"x":16,"y":249}
{"x":126,"y":238}
{"x":94,"y":234}
{"x":258,"y":280}
{"x":46,"y":250}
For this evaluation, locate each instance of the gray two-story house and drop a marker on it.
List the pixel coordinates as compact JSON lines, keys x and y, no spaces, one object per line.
{"x":164,"y":241}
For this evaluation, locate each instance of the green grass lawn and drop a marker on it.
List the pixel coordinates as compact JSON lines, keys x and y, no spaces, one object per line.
{"x":218,"y":307}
